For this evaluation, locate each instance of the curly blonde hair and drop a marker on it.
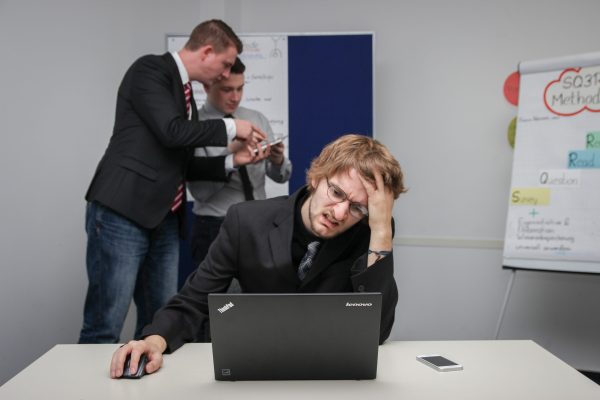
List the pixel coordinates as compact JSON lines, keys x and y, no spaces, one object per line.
{"x":362,"y":153}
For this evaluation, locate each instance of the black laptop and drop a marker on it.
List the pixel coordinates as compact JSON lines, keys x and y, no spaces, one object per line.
{"x":295,"y":336}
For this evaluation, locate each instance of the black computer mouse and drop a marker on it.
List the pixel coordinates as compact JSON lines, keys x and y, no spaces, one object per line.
{"x":141,"y":369}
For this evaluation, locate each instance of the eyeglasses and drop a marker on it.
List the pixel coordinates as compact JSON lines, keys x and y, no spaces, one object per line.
{"x":336,"y":194}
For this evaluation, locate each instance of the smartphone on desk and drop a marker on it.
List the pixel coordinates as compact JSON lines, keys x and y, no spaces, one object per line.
{"x":275,"y":141}
{"x":439,"y":363}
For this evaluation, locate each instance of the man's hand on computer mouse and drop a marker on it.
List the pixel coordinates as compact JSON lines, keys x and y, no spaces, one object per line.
{"x":152,"y":346}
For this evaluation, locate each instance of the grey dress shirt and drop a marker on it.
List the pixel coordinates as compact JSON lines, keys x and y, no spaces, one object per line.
{"x":214,"y":198}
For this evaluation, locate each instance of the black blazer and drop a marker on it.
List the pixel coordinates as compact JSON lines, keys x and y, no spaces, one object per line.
{"x":151,"y":149}
{"x":254,"y":245}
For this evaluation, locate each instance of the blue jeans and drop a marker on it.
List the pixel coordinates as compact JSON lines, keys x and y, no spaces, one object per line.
{"x":126,"y":261}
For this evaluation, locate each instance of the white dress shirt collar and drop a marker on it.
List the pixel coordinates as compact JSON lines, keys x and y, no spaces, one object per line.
{"x":182,"y":71}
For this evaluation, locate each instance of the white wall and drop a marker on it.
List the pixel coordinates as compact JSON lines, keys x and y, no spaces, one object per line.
{"x":439,"y":66}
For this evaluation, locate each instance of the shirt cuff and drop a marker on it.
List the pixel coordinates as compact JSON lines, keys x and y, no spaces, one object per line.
{"x":230,"y":127}
{"x":229,"y":164}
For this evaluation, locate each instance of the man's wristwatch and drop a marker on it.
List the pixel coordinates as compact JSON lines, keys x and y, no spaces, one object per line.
{"x":379,"y":253}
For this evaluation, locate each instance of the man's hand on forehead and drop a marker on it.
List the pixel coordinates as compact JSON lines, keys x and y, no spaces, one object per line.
{"x":381,"y":203}
{"x":380,"y":198}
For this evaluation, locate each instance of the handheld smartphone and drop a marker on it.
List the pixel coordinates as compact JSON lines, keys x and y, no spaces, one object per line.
{"x":439,"y":363}
{"x":263,"y":145}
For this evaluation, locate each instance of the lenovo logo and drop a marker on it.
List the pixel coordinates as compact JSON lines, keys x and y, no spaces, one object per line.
{"x":359,"y":304}
{"x":225,"y":307}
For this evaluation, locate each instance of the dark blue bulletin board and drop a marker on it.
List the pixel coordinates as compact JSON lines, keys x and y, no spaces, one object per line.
{"x":330,"y":89}
{"x":330,"y":93}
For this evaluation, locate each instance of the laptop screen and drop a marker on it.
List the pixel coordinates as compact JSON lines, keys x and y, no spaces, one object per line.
{"x":295,"y":336}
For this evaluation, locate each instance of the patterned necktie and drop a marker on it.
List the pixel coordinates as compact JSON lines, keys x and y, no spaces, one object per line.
{"x":308,"y":258}
{"x":187,"y":91}
{"x":246,"y":184}
{"x":179,"y":195}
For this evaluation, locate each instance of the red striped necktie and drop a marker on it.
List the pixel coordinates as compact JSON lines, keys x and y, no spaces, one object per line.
{"x":187,"y":91}
{"x":179,"y":195}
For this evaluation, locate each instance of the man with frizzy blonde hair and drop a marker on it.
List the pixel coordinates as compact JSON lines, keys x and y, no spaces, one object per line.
{"x":332,"y":235}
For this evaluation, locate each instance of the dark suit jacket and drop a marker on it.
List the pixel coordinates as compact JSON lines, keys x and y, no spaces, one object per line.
{"x":254,"y":245}
{"x":151,"y":148}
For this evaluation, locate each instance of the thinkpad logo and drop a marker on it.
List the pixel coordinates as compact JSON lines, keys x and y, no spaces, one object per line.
{"x":348,"y":304}
{"x":225,"y":307}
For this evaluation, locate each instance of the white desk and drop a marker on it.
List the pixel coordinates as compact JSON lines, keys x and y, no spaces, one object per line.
{"x":492,"y":370}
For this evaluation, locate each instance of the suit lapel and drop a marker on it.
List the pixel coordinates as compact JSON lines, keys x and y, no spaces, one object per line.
{"x":193,"y":106}
{"x":280,"y":238}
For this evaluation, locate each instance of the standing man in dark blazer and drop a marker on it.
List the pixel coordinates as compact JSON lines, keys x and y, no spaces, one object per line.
{"x":346,"y":208}
{"x":136,"y":199}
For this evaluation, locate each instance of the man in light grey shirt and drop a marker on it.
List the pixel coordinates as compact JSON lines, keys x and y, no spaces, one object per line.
{"x":212,"y":199}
